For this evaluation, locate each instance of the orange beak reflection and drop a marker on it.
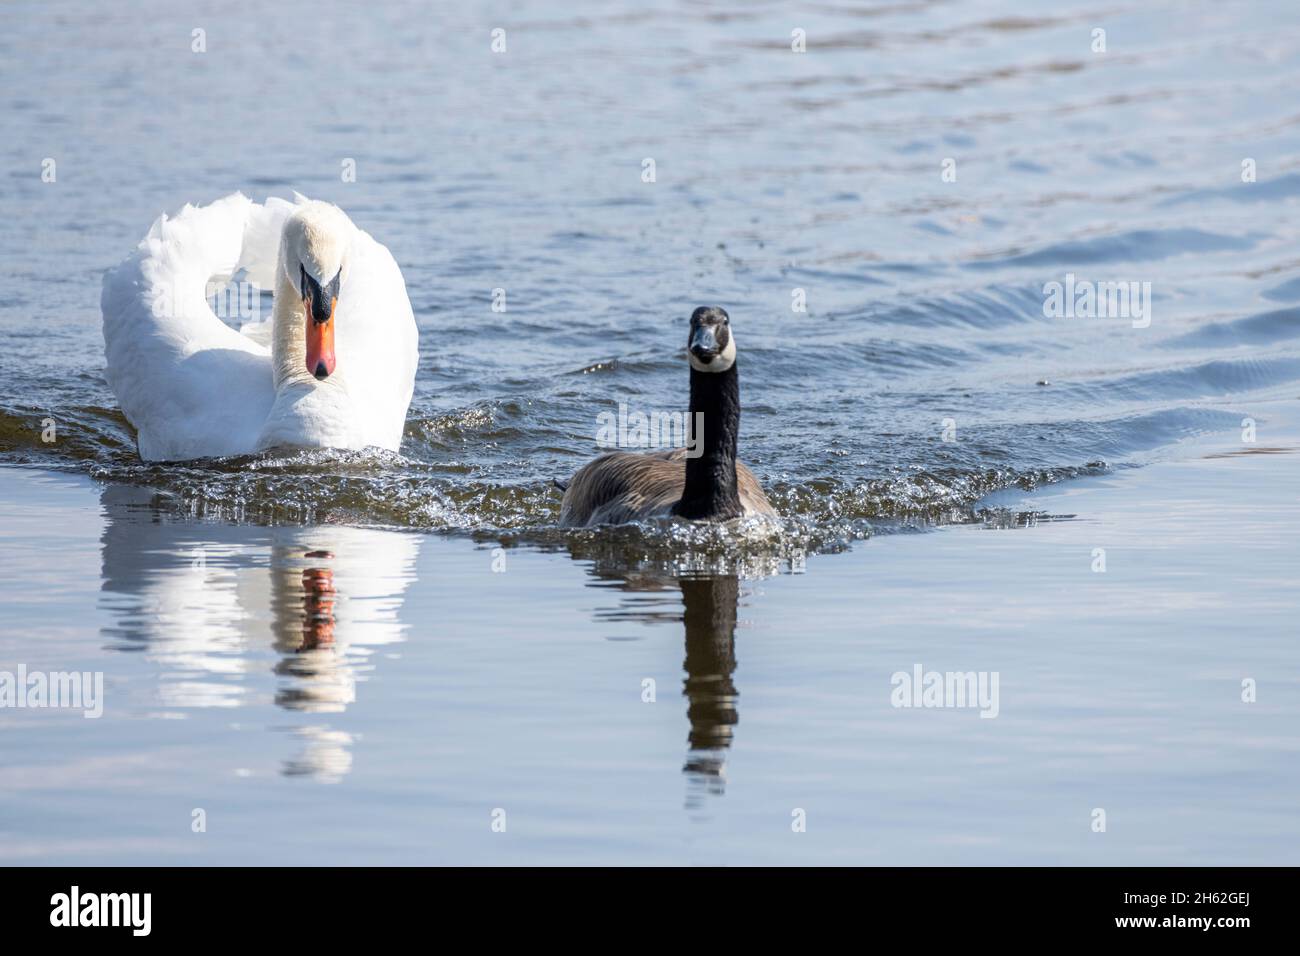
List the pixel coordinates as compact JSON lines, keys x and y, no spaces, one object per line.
{"x":320,"y":341}
{"x":318,"y":606}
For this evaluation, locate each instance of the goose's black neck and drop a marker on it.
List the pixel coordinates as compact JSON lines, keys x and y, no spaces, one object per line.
{"x":710,"y":490}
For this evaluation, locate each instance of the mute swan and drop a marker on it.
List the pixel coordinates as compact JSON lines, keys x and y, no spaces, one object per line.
{"x":708,"y":486}
{"x":340,"y":366}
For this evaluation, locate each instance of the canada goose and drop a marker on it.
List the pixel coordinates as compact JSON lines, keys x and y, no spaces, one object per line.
{"x":712,"y":485}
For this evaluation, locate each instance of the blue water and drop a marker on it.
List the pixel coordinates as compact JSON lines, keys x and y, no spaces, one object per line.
{"x":778,"y":175}
{"x":774,"y":171}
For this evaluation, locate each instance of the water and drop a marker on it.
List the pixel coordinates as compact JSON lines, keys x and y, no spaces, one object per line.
{"x":628,"y":714}
{"x":774,"y":172}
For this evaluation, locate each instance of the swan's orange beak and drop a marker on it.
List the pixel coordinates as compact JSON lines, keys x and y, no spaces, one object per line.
{"x":320,"y":342}
{"x":318,"y":304}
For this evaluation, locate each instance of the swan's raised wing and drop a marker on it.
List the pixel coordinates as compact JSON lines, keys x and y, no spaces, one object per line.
{"x":377,"y":341}
{"x":192,"y":386}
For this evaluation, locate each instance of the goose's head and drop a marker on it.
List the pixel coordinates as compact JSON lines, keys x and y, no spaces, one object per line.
{"x":711,"y":346}
{"x":316,"y":239}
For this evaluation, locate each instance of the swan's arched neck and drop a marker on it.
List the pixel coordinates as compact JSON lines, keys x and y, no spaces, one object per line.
{"x":307,"y":412}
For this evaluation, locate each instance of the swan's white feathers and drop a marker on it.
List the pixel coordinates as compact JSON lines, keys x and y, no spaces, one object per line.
{"x":194,"y":387}
{"x":377,"y":341}
{"x":262,"y":232}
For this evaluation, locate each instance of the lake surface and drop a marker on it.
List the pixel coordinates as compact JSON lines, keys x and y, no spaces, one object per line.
{"x":347,"y":657}
{"x":614,"y":715}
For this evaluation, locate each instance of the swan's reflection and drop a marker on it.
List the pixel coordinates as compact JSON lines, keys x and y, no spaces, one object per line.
{"x":215,"y":604}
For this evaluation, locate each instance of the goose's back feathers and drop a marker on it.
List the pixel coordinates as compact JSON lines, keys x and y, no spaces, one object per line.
{"x":621,"y":486}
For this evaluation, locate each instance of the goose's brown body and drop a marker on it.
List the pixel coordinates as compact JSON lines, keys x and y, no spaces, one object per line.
{"x":622,"y":487}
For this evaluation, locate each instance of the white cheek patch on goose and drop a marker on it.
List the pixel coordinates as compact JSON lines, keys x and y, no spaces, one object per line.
{"x":721,"y":362}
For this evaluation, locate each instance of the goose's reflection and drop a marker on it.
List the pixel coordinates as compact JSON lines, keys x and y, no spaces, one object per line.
{"x":711,"y":708}
{"x":706,"y":595}
{"x":215,"y":604}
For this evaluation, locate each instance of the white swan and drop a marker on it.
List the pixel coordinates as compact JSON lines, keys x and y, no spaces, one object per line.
{"x":343,"y":345}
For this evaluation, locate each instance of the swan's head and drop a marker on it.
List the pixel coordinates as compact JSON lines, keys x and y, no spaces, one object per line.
{"x":711,"y":346}
{"x":315,"y":243}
